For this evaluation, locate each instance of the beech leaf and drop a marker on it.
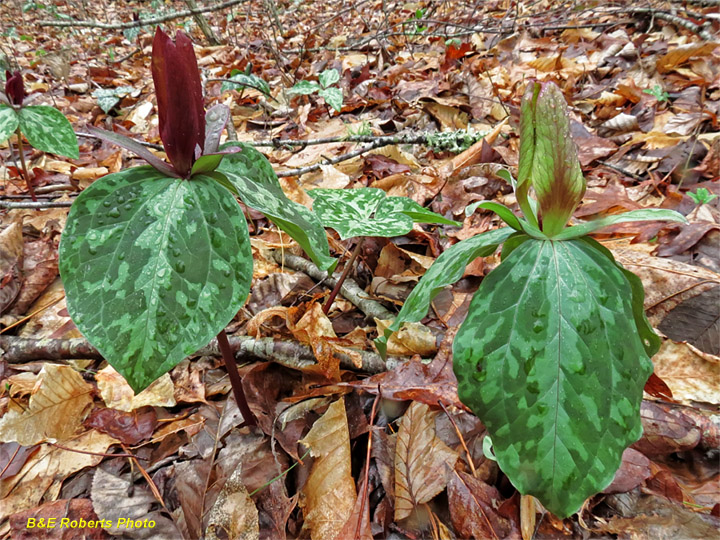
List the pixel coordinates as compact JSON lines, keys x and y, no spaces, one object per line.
{"x":329,"y":493}
{"x":422,"y":460}
{"x":57,"y":407}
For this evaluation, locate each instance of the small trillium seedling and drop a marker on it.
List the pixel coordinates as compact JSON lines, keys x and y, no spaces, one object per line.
{"x":555,"y":349}
{"x":156,"y":260}
{"x":44,"y":127}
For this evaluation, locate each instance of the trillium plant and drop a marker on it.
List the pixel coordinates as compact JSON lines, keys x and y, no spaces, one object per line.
{"x":44,"y":127}
{"x":156,"y":259}
{"x":555,"y":350}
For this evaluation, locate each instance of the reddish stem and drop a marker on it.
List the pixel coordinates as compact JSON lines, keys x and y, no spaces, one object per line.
{"x":343,"y":276}
{"x":235,"y":380}
{"x":21,"y":151}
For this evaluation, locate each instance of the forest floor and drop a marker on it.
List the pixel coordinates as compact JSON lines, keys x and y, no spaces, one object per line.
{"x":403,"y":458}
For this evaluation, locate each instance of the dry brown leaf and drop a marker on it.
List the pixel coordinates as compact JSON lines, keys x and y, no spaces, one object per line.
{"x":329,"y":494}
{"x":412,"y":338}
{"x":683,"y":54}
{"x":112,"y":501}
{"x":42,"y":476}
{"x":690,"y":376}
{"x":117,"y":394}
{"x":473,"y":508}
{"x":234,"y":512}
{"x":11,"y":264}
{"x":56,"y":410}
{"x":420,"y":460}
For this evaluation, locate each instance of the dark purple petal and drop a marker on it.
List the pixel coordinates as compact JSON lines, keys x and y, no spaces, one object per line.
{"x":179,"y":99}
{"x":135,"y":147}
{"x":14,"y":87}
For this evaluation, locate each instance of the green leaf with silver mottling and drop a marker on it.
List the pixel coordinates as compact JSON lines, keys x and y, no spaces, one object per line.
{"x":550,"y":360}
{"x":446,"y":270}
{"x":328,"y":77}
{"x":305,"y":88}
{"x":240,"y":80}
{"x":333,"y":96}
{"x":404,"y":205}
{"x":651,"y":341}
{"x":153,"y":268}
{"x":48,"y":130}
{"x":255,"y":182}
{"x":644,"y":214}
{"x":351,"y":212}
{"x":8,"y":122}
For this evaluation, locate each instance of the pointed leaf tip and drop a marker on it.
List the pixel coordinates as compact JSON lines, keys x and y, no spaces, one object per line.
{"x":179,"y":99}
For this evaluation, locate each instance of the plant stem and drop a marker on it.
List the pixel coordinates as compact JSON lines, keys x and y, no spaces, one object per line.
{"x":26,"y":174}
{"x":235,"y":381}
{"x":343,"y":276}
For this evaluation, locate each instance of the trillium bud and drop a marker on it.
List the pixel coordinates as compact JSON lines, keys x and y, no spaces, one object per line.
{"x":179,"y":99}
{"x":14,"y":88}
{"x":548,"y":157}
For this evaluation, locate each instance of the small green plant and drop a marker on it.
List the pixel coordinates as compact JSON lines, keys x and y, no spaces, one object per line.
{"x":44,"y":127}
{"x":156,"y":259}
{"x":413,"y":21}
{"x":367,"y":212}
{"x":332,"y":95}
{"x":107,"y":98}
{"x":363,"y":129}
{"x":701,"y":196}
{"x":658,"y":92}
{"x":555,"y":350}
{"x":454,"y":141}
{"x":239,"y":80}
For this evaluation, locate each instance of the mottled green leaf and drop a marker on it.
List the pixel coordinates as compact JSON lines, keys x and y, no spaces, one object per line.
{"x":550,"y":360}
{"x":369,"y":212}
{"x":394,"y":205}
{"x":255,"y":182}
{"x":651,"y":341}
{"x":240,"y":80}
{"x":107,"y":98}
{"x":333,"y":96}
{"x":48,"y":130}
{"x":644,"y":214}
{"x":8,"y":122}
{"x":350,"y":213}
{"x":305,"y":88}
{"x":446,"y":270}
{"x":328,"y":77}
{"x":153,"y":268}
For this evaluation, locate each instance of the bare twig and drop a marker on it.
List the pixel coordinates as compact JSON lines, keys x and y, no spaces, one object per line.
{"x":142,"y":22}
{"x":350,"y":289}
{"x":17,"y":350}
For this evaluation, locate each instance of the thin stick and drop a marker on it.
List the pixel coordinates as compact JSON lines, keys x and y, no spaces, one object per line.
{"x":235,"y":380}
{"x":26,"y":174}
{"x":343,"y":276}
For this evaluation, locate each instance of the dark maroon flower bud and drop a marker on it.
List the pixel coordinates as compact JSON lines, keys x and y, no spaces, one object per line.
{"x":14,"y":87}
{"x":179,"y":99}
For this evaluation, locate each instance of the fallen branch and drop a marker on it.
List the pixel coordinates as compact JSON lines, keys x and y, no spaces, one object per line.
{"x":350,"y":289}
{"x":333,"y":161}
{"x":142,"y":22}
{"x":294,"y":355}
